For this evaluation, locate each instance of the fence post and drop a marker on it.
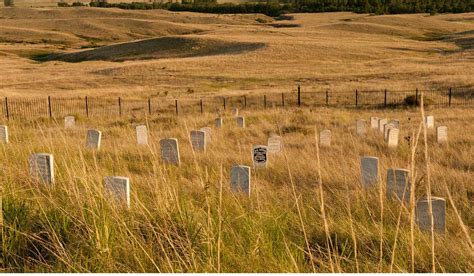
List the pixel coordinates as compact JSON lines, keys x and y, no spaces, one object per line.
{"x":202,"y":107}
{"x":299,"y":95}
{"x":283,"y":99}
{"x":385,"y":97}
{"x":149,"y":106}
{"x":245,"y":102}
{"x":224,"y":103}
{"x":87,"y":107}
{"x":357,"y":97}
{"x":6,"y":108}
{"x":264,"y":101}
{"x":450,"y":95}
{"x":120,"y":106}
{"x":327,"y":97}
{"x":49,"y":107}
{"x":416,"y":97}
{"x":176,"y":106}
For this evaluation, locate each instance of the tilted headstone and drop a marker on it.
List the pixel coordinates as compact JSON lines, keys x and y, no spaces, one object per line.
{"x":423,"y":217}
{"x":382,"y":123}
{"x":240,"y":179}
{"x":442,"y":134}
{"x":198,"y":140}
{"x":369,"y":170}
{"x":274,"y":144}
{"x":325,"y":138}
{"x":393,"y":134}
{"x":398,"y":184}
{"x":395,"y":123}
{"x":235,"y":112}
{"x":69,"y":121}
{"x":429,"y":122}
{"x":118,"y":188}
{"x":4,"y":134}
{"x":170,"y":151}
{"x":240,"y":121}
{"x":42,"y":167}
{"x":208,"y":132}
{"x":218,"y":122}
{"x":360,"y":127}
{"x":94,"y":138}
{"x":374,"y":122}
{"x":386,"y":128}
{"x":142,"y":135}
{"x":260,"y":156}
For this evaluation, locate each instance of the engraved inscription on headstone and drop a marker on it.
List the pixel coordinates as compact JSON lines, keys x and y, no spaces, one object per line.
{"x":360,"y":127}
{"x":240,"y":121}
{"x":398,"y":184}
{"x":118,"y":188}
{"x":170,"y":151}
{"x":198,"y":140}
{"x":382,"y":123}
{"x":94,"y":137}
{"x":218,"y":122}
{"x":142,"y":135}
{"x":4,"y":134}
{"x":369,"y":170}
{"x":374,"y":122}
{"x":423,"y":217}
{"x":240,"y":179}
{"x":442,"y":134}
{"x":274,"y":144}
{"x":42,"y":167}
{"x":260,"y":156}
{"x":69,"y":121}
{"x":429,"y":120}
{"x":393,"y":137}
{"x":325,"y":138}
{"x":208,"y":132}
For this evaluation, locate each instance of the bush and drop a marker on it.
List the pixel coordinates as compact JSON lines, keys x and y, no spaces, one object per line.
{"x":413,"y":101}
{"x":9,"y":3}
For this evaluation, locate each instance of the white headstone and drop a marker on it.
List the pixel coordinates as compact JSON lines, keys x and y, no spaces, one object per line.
{"x":42,"y":167}
{"x":198,"y":140}
{"x":240,"y":122}
{"x":218,"y":122}
{"x":274,"y":144}
{"x":69,"y":121}
{"x":325,"y":138}
{"x":240,"y":179}
{"x":94,"y":138}
{"x":235,"y":112}
{"x":423,"y":217}
{"x":4,"y":134}
{"x":208,"y":132}
{"x":360,"y":127}
{"x":442,"y":134}
{"x":393,"y":137}
{"x":398,"y":184}
{"x":386,"y":128}
{"x":369,"y":170}
{"x":260,"y":156}
{"x":395,"y":123}
{"x":142,"y":135}
{"x":118,"y":188}
{"x":429,"y":122}
{"x":170,"y":151}
{"x":382,"y":123}
{"x":374,"y":122}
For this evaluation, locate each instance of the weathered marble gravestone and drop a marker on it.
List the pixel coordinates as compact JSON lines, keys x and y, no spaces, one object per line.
{"x":423,"y":217}
{"x":398,"y":184}
{"x":208,"y":132}
{"x":240,"y":179}
{"x":4,"y":134}
{"x":382,"y":123}
{"x":142,"y":135}
{"x":429,"y":121}
{"x":274,"y":144}
{"x":360,"y":127}
{"x":395,"y":123}
{"x":260,"y":156}
{"x":442,"y":134}
{"x":325,"y":138}
{"x":94,"y":138}
{"x":218,"y":122}
{"x":198,"y":140}
{"x":393,"y":134}
{"x":240,"y":121}
{"x":42,"y":167}
{"x":374,"y":122}
{"x":69,"y":121}
{"x":369,"y":170}
{"x":235,"y":112}
{"x":170,"y":151}
{"x":118,"y":188}
{"x":386,"y":128}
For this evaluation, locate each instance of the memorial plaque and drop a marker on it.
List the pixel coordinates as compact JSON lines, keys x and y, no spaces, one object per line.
{"x":260,"y":156}
{"x":170,"y":151}
{"x":429,"y":122}
{"x":374,"y":122}
{"x":360,"y":127}
{"x":4,"y":134}
{"x":118,"y":188}
{"x":325,"y":138}
{"x":94,"y":138}
{"x":198,"y":140}
{"x":142,"y":135}
{"x":274,"y":144}
{"x":442,"y":134}
{"x":240,"y":122}
{"x":42,"y":167}
{"x":398,"y":184}
{"x":240,"y":179}
{"x":218,"y":122}
{"x":393,"y":134}
{"x":369,"y":170}
{"x":423,"y":217}
{"x":69,"y":121}
{"x":382,"y":123}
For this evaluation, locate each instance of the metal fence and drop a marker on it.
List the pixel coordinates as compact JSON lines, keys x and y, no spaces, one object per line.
{"x":55,"y":107}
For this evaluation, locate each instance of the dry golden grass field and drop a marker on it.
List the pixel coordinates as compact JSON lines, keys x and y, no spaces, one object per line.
{"x":307,"y":211}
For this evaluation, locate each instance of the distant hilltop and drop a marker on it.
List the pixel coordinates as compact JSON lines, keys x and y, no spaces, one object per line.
{"x":54,"y":3}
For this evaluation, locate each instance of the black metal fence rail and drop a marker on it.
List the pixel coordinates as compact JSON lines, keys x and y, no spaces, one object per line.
{"x":56,"y":107}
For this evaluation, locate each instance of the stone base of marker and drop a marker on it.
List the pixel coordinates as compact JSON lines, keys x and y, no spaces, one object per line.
{"x":423,"y":217}
{"x":118,"y":188}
